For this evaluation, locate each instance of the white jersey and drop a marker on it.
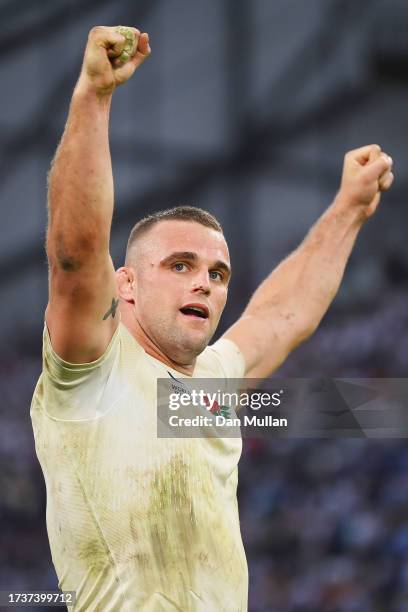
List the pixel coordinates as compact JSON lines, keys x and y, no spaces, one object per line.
{"x":135,"y":522}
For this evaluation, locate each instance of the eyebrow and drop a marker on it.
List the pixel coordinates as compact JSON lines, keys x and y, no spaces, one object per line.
{"x":193,"y":257}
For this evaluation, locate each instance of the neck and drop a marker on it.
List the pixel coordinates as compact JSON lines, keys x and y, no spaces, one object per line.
{"x":133,"y":326}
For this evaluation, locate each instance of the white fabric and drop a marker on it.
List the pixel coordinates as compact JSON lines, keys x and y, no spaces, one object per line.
{"x":135,"y":522}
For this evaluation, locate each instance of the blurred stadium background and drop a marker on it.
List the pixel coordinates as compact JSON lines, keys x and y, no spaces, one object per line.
{"x":245,"y":108}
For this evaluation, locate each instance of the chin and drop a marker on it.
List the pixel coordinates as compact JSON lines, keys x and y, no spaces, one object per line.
{"x":194,"y":344}
{"x":183,"y":344}
{"x":197,"y":345}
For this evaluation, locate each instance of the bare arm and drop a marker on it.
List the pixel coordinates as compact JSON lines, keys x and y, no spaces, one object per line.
{"x":289,"y":305}
{"x":82,"y":285}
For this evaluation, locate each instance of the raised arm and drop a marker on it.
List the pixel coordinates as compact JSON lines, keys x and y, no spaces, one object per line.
{"x":82,"y":287}
{"x":289,"y":305}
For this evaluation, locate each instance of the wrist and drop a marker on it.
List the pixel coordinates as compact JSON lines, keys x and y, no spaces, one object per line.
{"x":85,"y":92}
{"x":347,"y":208}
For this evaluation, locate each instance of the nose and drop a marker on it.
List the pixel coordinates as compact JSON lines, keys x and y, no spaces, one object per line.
{"x":201,"y":283}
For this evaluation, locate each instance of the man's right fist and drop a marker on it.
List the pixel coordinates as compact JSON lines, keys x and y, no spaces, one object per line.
{"x":108,"y":61}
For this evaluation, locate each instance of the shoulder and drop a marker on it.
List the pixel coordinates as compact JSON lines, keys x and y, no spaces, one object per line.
{"x":223,"y":359}
{"x":71,"y":391}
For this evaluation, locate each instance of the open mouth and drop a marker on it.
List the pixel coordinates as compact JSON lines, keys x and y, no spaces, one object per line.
{"x":195,"y":310}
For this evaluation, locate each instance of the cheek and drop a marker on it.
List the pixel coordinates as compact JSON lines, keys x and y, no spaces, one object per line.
{"x":156,"y":296}
{"x":146,"y":296}
{"x":148,"y":286}
{"x":221,"y":300}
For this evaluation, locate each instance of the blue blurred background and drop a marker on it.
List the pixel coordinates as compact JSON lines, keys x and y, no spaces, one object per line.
{"x":245,"y":108}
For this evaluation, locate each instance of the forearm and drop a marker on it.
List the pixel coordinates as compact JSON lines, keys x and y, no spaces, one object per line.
{"x":80,"y":193}
{"x":300,"y":290}
{"x":290,"y":303}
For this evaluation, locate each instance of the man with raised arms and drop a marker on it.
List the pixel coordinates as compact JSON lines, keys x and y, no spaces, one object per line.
{"x":135,"y":522}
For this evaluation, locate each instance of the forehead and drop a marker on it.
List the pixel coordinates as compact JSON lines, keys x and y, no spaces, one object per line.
{"x":166,"y":237}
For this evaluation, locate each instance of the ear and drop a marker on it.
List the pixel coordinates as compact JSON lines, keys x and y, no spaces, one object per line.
{"x":125,"y":280}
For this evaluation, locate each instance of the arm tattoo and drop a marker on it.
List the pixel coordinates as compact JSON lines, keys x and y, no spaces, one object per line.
{"x":112,"y":309}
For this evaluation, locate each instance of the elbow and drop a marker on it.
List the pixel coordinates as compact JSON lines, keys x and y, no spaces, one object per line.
{"x":303,"y":332}
{"x":70,"y":254}
{"x":65,"y":262}
{"x":310,"y":319}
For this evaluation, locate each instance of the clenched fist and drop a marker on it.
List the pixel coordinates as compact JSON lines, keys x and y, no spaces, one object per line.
{"x":366,"y":173}
{"x":110,"y":57}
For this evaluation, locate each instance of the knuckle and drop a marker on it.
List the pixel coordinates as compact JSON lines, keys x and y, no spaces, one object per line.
{"x":95,"y":31}
{"x":350,"y":155}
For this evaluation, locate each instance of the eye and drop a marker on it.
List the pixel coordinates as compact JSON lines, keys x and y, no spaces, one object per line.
{"x":215,"y":275}
{"x":179,"y":266}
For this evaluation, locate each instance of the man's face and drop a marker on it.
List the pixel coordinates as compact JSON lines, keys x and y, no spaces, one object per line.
{"x":182,"y":271}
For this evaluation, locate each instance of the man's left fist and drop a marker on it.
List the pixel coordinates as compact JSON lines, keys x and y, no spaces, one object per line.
{"x":366,"y":173}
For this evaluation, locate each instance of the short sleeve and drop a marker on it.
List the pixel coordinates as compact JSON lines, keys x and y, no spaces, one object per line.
{"x":85,"y":390}
{"x":224,"y":359}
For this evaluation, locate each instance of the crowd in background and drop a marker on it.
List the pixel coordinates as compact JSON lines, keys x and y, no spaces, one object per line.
{"x":325,"y":523}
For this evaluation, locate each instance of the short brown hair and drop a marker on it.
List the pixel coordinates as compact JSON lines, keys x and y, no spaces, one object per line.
{"x":178,"y":213}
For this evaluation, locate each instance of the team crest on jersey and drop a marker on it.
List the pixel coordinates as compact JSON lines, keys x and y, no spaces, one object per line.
{"x":214,"y":407}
